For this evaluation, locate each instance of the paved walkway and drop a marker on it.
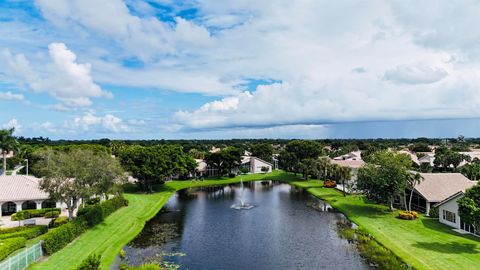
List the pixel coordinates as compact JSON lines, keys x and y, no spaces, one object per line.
{"x":6,"y":222}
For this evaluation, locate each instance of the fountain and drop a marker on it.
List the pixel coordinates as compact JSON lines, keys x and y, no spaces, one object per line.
{"x":242,"y":205}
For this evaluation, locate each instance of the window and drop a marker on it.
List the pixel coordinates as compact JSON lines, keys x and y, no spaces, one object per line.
{"x":449,"y":216}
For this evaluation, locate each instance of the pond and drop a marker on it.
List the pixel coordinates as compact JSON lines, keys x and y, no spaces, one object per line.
{"x":286,"y":229}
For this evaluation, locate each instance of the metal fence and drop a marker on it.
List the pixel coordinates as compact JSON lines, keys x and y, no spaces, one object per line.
{"x":22,"y":259}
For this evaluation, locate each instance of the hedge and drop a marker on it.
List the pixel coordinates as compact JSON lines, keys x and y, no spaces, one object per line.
{"x":59,"y":237}
{"x":33,"y":213}
{"x":26,"y":232}
{"x":54,"y":223}
{"x":95,"y":214}
{"x":8,"y":246}
{"x":87,"y":217}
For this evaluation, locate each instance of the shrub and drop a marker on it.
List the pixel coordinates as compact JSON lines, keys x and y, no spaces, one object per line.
{"x":53,"y":214}
{"x":26,"y":232}
{"x":92,"y":201}
{"x":408,"y":215}
{"x":92,"y":262}
{"x":59,"y":237}
{"x":329,"y":184}
{"x":147,"y":266}
{"x":433,"y":213}
{"x":32,"y":213}
{"x":95,"y":214}
{"x":54,"y":223}
{"x":10,"y":245}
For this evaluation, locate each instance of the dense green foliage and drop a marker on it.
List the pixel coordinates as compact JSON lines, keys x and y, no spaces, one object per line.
{"x":27,"y":232}
{"x":445,"y":158}
{"x":225,"y":160}
{"x":54,"y":223}
{"x":61,"y":236}
{"x":77,"y":174}
{"x":92,"y":262}
{"x":386,"y":177}
{"x":471,"y":170}
{"x":299,"y":155}
{"x":26,"y":214}
{"x":95,"y":214}
{"x":154,"y":164}
{"x":469,"y":207}
{"x":263,"y":151}
{"x":7,"y":246}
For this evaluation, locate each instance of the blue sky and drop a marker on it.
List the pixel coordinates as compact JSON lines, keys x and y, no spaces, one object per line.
{"x":154,"y":69}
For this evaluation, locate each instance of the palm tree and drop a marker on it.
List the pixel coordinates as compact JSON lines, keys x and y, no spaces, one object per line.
{"x":344,"y":174}
{"x":7,"y":143}
{"x":412,"y":181}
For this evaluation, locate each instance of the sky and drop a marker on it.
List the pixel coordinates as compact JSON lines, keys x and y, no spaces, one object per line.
{"x":204,"y":69}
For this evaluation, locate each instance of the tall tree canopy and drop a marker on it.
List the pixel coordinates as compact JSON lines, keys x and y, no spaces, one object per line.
{"x":7,"y":143}
{"x":469,"y":207}
{"x":446,"y":158}
{"x":225,"y":160}
{"x":263,"y":151}
{"x":385,"y":177}
{"x":299,"y":152}
{"x":68,"y":177}
{"x":154,"y":164}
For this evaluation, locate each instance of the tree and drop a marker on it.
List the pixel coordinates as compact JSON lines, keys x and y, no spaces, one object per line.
{"x":344,"y":174}
{"x":225,"y":160}
{"x":154,"y":164}
{"x":471,"y":171}
{"x":385,"y":177}
{"x":68,"y":177}
{"x":263,"y":151}
{"x":469,"y":207}
{"x":7,"y":143}
{"x":445,"y":158}
{"x":413,"y":179}
{"x":297,"y":153}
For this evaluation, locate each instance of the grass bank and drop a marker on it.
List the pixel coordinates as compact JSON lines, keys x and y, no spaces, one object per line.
{"x":123,"y":225}
{"x":424,"y":243}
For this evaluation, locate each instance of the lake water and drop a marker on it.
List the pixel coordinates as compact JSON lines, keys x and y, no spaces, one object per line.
{"x":287,"y":229}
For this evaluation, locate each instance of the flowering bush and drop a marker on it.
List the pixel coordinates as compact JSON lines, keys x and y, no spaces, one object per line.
{"x":408,"y":215}
{"x":329,"y":184}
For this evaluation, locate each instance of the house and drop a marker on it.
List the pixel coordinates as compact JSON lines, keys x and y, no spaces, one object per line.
{"x":21,"y":192}
{"x":355,"y":155}
{"x":473,"y":155}
{"x":427,"y":158}
{"x":255,"y":164}
{"x":435,"y":188}
{"x":448,"y":214}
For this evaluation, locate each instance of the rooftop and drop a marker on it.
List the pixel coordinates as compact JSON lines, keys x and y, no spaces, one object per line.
{"x":20,"y":188}
{"x":436,"y":187}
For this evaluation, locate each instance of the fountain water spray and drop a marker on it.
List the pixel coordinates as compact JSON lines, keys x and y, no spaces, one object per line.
{"x":242,"y":205}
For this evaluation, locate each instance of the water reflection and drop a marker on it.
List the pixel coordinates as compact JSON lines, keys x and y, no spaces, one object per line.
{"x":288,"y":229}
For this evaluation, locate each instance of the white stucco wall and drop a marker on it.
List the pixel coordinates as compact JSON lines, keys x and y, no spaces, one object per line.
{"x":257,"y":164}
{"x":450,"y":206}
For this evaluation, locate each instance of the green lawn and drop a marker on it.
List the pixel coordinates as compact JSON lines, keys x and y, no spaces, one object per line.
{"x":423,"y":243}
{"x":123,"y":225}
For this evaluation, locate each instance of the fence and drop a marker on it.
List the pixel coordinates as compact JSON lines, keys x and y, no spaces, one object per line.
{"x":22,"y":259}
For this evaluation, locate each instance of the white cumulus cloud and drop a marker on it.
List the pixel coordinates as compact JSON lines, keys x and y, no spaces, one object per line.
{"x":11,"y":96}
{"x":64,"y":79}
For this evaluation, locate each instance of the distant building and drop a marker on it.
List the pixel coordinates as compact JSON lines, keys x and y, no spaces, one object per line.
{"x":427,"y":158}
{"x":448,"y":214}
{"x":252,"y":164}
{"x":354,"y":165}
{"x":21,"y":192}
{"x":355,"y":155}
